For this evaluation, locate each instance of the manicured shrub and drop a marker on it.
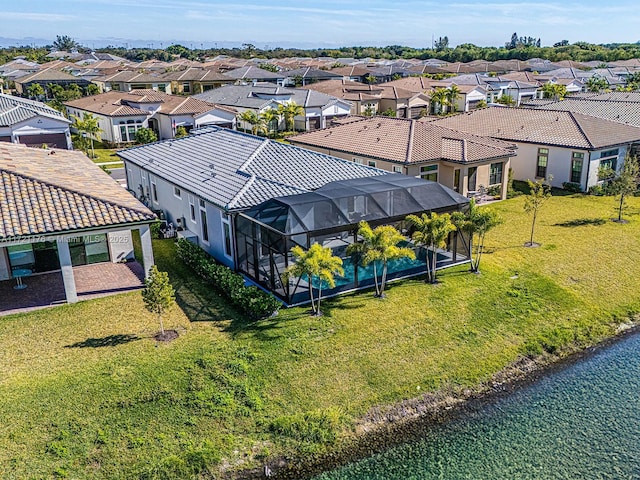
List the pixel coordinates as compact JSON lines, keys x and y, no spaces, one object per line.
{"x":572,"y":187}
{"x":251,"y":301}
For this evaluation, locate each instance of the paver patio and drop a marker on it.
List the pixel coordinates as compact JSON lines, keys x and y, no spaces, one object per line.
{"x":92,"y":281}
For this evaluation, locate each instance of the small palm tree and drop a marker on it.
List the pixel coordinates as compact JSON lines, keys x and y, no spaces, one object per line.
{"x":35,"y":90}
{"x":254,"y":120}
{"x":378,"y":246}
{"x":439,"y":97}
{"x":289,"y":111}
{"x":453,"y":93}
{"x":91,"y":126}
{"x":476,"y":221}
{"x":319,"y":265}
{"x":431,"y":231}
{"x":270,"y":116}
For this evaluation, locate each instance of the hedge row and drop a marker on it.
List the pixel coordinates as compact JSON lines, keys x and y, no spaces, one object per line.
{"x":251,"y":301}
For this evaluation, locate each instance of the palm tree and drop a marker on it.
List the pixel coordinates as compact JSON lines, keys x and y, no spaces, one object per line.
{"x":253,"y":119}
{"x":440,"y":98}
{"x":317,"y":264}
{"x":270,"y":116}
{"x":289,"y":111}
{"x":378,"y":246}
{"x":477,"y":221}
{"x":432,"y":232}
{"x":453,"y":93}
{"x":35,"y":90}
{"x":87,"y":125}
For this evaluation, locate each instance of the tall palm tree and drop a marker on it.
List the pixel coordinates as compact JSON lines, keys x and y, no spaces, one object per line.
{"x":440,"y":98}
{"x":318,"y":265}
{"x":431,"y":231}
{"x":453,"y":93}
{"x":289,"y":111}
{"x":476,"y":222}
{"x":378,"y":246}
{"x":270,"y":116}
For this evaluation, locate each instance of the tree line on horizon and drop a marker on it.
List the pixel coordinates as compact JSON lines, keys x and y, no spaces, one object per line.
{"x":520,"y":48}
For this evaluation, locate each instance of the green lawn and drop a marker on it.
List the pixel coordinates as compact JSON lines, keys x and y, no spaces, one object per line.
{"x":85,"y":391}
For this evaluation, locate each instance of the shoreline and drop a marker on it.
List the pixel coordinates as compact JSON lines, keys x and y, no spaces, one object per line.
{"x":388,"y":426}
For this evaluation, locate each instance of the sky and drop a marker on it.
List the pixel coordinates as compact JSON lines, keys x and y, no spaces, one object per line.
{"x":323,"y":24}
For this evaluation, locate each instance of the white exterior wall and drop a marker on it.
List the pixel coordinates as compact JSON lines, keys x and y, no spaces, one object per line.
{"x":464,"y":100}
{"x":110,"y":126}
{"x":120,"y":245}
{"x":524,"y":165}
{"x":37,"y":126}
{"x":176,"y":208}
{"x":215,"y":117}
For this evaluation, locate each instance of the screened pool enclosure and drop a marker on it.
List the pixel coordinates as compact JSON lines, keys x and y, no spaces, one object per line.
{"x":329,"y":216}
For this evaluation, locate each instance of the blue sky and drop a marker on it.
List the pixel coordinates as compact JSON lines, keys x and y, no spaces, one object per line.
{"x":323,"y":24}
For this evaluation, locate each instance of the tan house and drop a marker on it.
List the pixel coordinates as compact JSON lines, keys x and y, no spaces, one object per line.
{"x":457,"y":160}
{"x":372,"y":99}
{"x":195,"y":80}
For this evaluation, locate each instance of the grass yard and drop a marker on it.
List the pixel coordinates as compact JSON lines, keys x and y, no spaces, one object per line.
{"x":85,"y":391}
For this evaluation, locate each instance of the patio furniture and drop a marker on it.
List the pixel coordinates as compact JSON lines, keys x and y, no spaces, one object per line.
{"x":18,"y":274}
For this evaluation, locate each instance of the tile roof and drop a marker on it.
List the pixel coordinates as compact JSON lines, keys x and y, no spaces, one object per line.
{"x":404,"y":140}
{"x":260,"y":95}
{"x":546,"y":127}
{"x":48,"y":74}
{"x":15,"y":109}
{"x":127,"y":76}
{"x":252,"y":72}
{"x":234,"y":170}
{"x":196,"y":74}
{"x":627,"y":112}
{"x":55,"y":191}
{"x":116,"y":104}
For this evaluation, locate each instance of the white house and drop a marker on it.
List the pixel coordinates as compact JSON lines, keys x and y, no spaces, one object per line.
{"x":319,"y":108}
{"x":121,"y":114}
{"x":32,"y":123}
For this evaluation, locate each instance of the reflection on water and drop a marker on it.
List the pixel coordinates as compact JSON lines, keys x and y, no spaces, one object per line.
{"x":579,"y":423}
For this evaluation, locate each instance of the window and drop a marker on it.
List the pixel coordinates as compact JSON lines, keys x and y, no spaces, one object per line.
{"x":609,"y":159}
{"x":227,"y":238}
{"x":577,"y":160}
{"x":609,"y":153}
{"x":192,"y":209}
{"x":495,"y":173}
{"x":471,"y":179}
{"x":205,"y":228}
{"x":429,"y":172}
{"x":186,"y":87}
{"x":177,"y":192}
{"x":154,"y":192}
{"x":202,"y":204}
{"x":543,"y":160}
{"x":371,"y":163}
{"x":397,"y":169}
{"x":456,"y":179}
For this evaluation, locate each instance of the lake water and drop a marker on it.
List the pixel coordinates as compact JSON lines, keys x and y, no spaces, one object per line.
{"x":580,"y":422}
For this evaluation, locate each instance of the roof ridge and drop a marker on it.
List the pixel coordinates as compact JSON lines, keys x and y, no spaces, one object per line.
{"x":584,"y":134}
{"x":236,"y":198}
{"x":410,"y":142}
{"x":242,"y":168}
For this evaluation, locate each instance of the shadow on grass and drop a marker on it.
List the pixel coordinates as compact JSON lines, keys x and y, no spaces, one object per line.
{"x":110,"y":341}
{"x":580,"y":222}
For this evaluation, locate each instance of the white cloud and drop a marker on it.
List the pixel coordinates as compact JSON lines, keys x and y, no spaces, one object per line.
{"x":36,"y":16}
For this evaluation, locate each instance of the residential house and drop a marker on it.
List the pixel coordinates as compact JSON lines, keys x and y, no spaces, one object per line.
{"x":61,"y":212}
{"x":251,"y":74}
{"x":247,"y":200}
{"x":353,"y":73}
{"x":32,"y":123}
{"x":305,"y":76}
{"x":121,"y":114}
{"x":194,"y":80}
{"x":372,"y":99}
{"x":46,"y":77}
{"x":319,"y":109}
{"x":460,"y":161}
{"x":469,"y":96}
{"x":556,"y":145}
{"x":126,"y":81}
